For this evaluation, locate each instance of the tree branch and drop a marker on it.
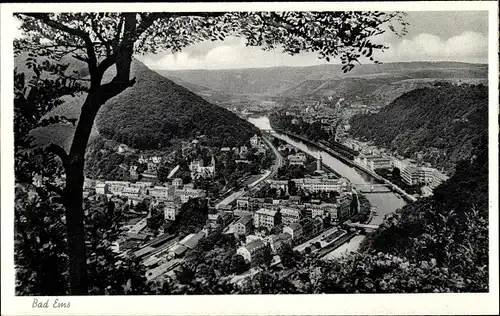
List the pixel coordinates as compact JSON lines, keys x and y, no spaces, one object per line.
{"x":99,"y":35}
{"x":92,"y":58}
{"x":54,"y":189}
{"x":58,"y":151}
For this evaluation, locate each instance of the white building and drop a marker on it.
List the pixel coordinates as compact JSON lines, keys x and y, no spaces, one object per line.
{"x":199,"y":171}
{"x":177,"y":182}
{"x":186,"y":193}
{"x":249,"y":251}
{"x":290,"y":215}
{"x":162,"y":192}
{"x":101,"y":188}
{"x":294,"y":230}
{"x":297,"y":160}
{"x":266,"y":218}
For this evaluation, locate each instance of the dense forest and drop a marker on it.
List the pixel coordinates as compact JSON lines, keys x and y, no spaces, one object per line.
{"x":441,"y":124}
{"x":156,"y":110}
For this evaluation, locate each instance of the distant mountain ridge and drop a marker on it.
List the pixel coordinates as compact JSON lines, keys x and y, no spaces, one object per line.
{"x":293,"y":81}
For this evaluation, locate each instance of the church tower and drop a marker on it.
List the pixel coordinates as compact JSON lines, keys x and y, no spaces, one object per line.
{"x":318,"y":163}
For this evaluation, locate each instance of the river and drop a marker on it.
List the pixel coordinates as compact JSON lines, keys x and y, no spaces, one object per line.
{"x":385,"y":203}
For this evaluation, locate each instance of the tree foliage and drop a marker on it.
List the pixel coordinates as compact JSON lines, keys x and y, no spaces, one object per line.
{"x":103,"y":40}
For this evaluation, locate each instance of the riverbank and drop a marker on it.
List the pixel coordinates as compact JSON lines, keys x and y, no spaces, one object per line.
{"x":351,"y":163}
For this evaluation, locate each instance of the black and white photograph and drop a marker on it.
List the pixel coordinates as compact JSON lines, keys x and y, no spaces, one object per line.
{"x":200,"y":151}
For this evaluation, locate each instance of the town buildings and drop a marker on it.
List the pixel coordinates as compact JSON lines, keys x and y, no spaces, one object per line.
{"x":243,"y":226}
{"x":198,"y":170}
{"x":294,"y":230}
{"x":290,"y":215}
{"x":249,"y":251}
{"x":266,"y":218}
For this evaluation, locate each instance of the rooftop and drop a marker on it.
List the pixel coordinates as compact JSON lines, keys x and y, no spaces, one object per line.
{"x":244,"y":220}
{"x":295,"y":226}
{"x":254,"y":245}
{"x":265,"y":211}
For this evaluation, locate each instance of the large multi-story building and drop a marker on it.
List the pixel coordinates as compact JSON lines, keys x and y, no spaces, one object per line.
{"x":290,"y":215}
{"x":277,"y":243}
{"x":321,"y":184}
{"x":379,"y":163}
{"x":266,"y":218}
{"x":294,"y":230}
{"x":311,"y":227}
{"x":131,"y":192}
{"x":187,"y":193}
{"x":162,"y":192}
{"x":297,"y":160}
{"x":171,"y":210}
{"x":243,"y":226}
{"x":249,"y":251}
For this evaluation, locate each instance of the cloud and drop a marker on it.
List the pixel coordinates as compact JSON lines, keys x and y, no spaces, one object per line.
{"x":466,"y":47}
{"x":232,"y":53}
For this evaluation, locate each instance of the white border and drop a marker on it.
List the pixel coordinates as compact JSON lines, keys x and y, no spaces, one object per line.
{"x":247,"y":304}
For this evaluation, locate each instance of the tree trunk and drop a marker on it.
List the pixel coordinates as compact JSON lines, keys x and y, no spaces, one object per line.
{"x":73,"y":193}
{"x":75,"y":231}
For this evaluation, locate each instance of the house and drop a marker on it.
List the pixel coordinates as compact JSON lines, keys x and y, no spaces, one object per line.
{"x":177,"y":182}
{"x":242,"y":203}
{"x":294,"y":230}
{"x":249,"y":251}
{"x":278,"y":242}
{"x":171,"y":210}
{"x":290,"y":215}
{"x":243,"y":226}
{"x":122,"y":148}
{"x":243,"y":151}
{"x":102,"y":188}
{"x":133,"y":172}
{"x":266,"y":218}
{"x":255,"y":141}
{"x":295,"y":199}
{"x":218,"y":219}
{"x":311,"y":227}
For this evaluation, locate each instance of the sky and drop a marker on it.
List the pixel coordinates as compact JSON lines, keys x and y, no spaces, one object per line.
{"x":432,"y":36}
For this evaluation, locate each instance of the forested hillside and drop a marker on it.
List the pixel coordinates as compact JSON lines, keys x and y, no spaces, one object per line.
{"x":148,"y":115}
{"x":442,"y":123}
{"x":156,"y":110}
{"x":451,"y":227}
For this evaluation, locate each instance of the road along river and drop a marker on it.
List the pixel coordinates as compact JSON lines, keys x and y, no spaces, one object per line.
{"x":385,"y":203}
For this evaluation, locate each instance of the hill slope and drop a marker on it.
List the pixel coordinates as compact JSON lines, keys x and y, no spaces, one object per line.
{"x":443,"y":123}
{"x":156,"y":110}
{"x":150,"y":114}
